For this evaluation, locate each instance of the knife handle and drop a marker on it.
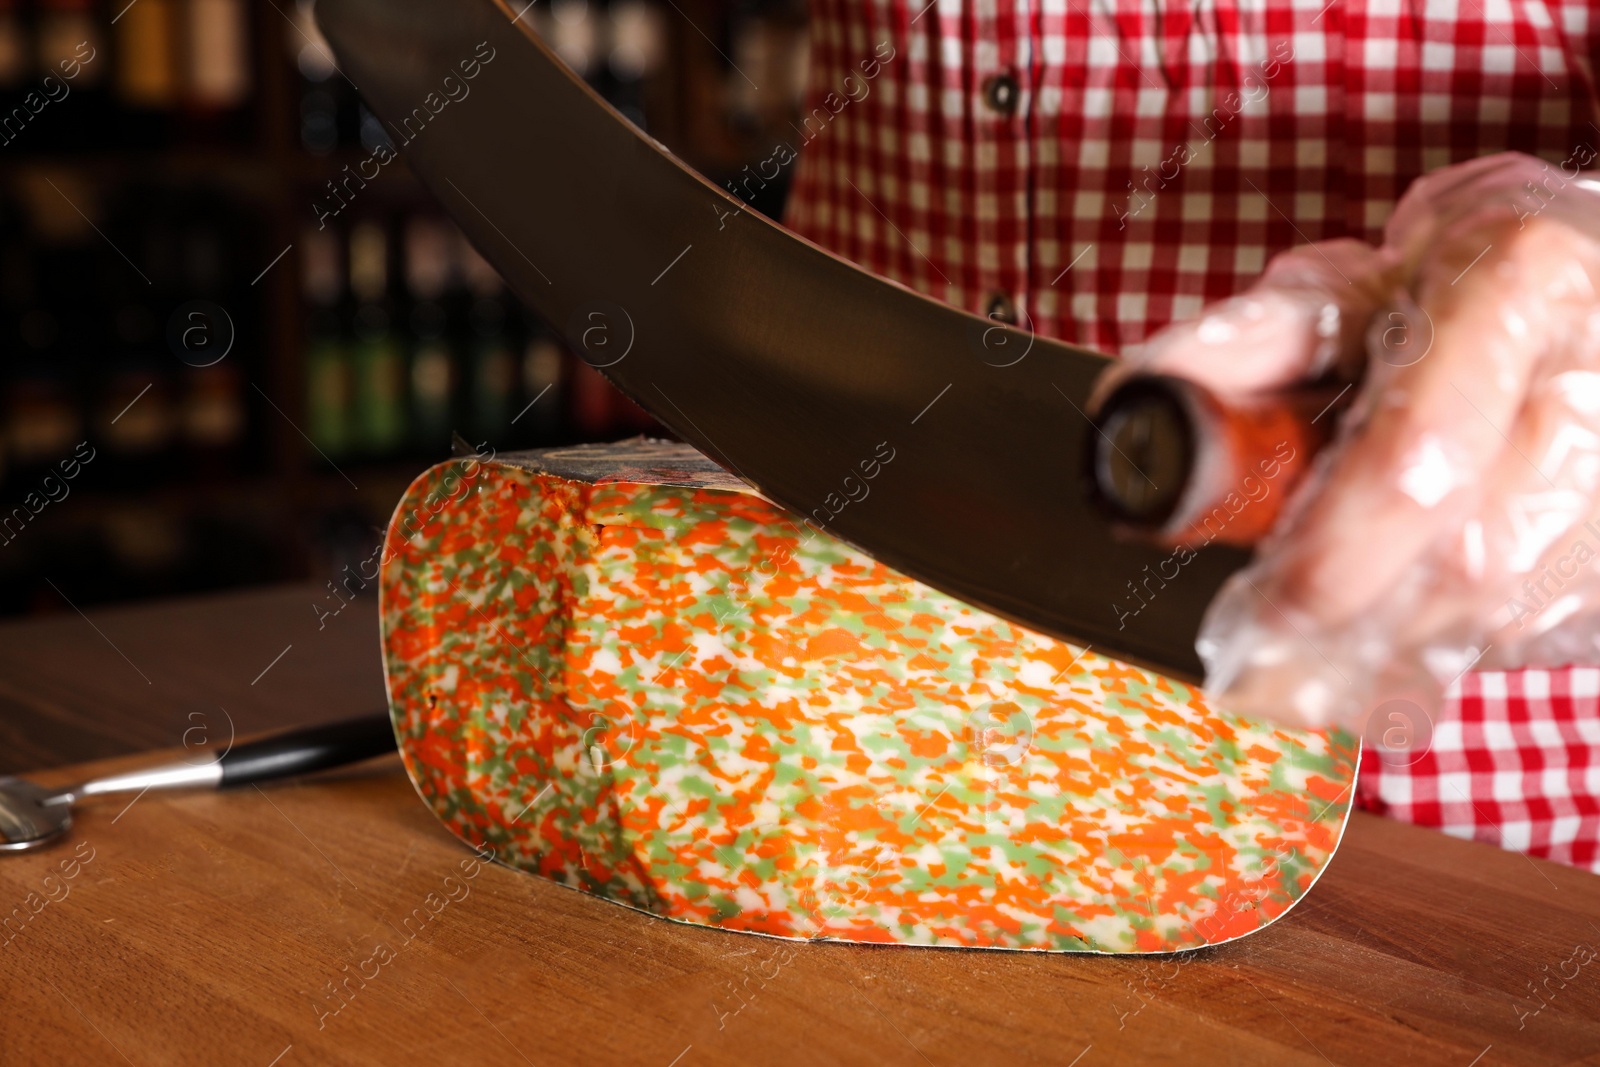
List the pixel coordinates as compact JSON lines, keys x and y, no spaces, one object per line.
{"x":1177,"y":463}
{"x":312,"y":748}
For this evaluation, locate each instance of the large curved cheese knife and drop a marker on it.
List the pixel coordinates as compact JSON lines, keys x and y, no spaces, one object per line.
{"x":797,"y":370}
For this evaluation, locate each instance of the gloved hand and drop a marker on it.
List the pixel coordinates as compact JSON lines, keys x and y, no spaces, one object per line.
{"x":1454,"y":521}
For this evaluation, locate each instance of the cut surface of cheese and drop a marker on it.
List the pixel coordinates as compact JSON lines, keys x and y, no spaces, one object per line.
{"x":623,"y":669}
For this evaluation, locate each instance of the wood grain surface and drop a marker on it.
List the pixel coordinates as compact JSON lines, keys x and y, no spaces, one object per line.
{"x":212,"y":928}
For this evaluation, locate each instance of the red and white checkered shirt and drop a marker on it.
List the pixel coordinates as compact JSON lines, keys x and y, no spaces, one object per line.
{"x":1099,"y":170}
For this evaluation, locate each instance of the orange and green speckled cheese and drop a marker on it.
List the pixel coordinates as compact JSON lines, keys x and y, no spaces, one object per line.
{"x":628,"y":672}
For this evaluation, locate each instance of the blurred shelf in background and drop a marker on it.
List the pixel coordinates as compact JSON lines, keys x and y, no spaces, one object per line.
{"x":227,"y":346}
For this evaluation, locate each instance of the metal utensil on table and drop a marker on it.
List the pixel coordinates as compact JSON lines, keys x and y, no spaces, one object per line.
{"x":32,"y":816}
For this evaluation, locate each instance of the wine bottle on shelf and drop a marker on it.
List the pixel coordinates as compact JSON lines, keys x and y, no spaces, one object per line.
{"x":319,"y":120}
{"x":44,"y":414}
{"x":327,"y":358}
{"x":328,"y":113}
{"x":148,"y":82}
{"x":217,"y":80}
{"x":791,"y":69}
{"x":573,"y":30}
{"x":491,"y":371}
{"x":637,"y":43}
{"x":133,"y":416}
{"x":377,"y":360}
{"x":72,"y":59}
{"x":214,"y":418}
{"x":429,"y":260}
{"x":17,"y":291}
{"x":541,"y":419}
{"x":212,"y":405}
{"x":751,"y":43}
{"x":16,"y":57}
{"x":629,"y":418}
{"x":592,"y":408}
{"x":44,"y":419}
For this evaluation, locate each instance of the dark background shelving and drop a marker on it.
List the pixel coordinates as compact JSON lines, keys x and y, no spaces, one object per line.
{"x":171,"y":183}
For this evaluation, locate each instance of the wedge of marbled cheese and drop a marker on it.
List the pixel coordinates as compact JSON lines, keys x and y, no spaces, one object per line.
{"x":623,"y":669}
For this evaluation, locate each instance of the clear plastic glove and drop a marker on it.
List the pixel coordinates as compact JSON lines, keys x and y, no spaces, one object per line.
{"x":1455,"y":520}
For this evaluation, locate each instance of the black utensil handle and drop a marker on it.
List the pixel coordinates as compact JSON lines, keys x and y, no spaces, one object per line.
{"x":314,"y":748}
{"x":1167,"y":454}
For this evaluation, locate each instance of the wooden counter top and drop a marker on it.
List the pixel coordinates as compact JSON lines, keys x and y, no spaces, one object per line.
{"x":206,"y":928}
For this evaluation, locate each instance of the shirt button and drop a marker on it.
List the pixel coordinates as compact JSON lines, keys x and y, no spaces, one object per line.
{"x":1001,"y":308}
{"x":1000,"y":92}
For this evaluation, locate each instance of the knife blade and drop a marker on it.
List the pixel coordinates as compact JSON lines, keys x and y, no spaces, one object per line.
{"x":948,"y":446}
